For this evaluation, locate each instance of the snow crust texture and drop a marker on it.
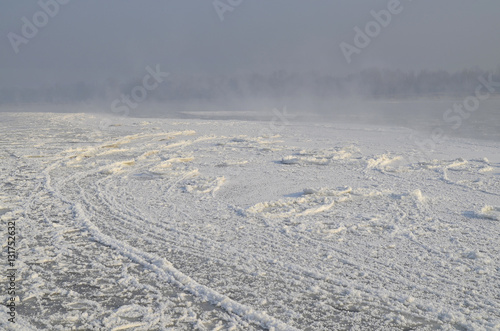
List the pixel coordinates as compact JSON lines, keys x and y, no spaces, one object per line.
{"x":164,"y":224}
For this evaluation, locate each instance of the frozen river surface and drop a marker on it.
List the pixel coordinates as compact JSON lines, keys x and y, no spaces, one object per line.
{"x":164,"y":224}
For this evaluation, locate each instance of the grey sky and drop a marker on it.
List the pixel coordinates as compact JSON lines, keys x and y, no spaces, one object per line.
{"x":92,"y":41}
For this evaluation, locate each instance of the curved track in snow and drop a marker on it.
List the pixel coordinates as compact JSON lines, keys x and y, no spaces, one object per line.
{"x":216,"y":225}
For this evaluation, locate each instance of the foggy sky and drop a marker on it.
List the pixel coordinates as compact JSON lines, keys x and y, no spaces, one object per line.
{"x":93,"y":41}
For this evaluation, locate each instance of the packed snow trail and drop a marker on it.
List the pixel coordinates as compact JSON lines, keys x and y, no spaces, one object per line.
{"x":213,"y":225}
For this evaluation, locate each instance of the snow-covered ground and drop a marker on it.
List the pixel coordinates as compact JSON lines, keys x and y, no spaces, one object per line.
{"x":165,"y":224}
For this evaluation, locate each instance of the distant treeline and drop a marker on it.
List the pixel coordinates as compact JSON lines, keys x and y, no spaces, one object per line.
{"x":370,"y":83}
